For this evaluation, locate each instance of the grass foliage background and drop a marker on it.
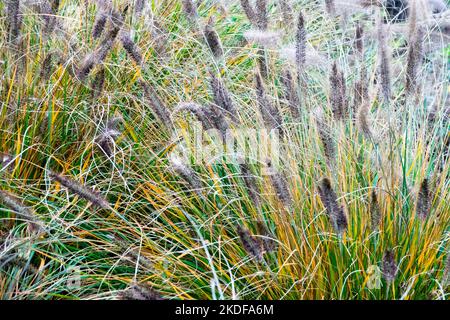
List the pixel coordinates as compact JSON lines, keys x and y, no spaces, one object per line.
{"x":184,"y":244}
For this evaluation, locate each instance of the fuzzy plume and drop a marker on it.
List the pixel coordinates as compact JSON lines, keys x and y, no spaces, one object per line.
{"x":375,"y":212}
{"x":330,"y":7}
{"x":212,"y":39}
{"x":99,"y":24}
{"x":261,"y":60}
{"x":261,"y":14}
{"x":74,"y":186}
{"x":217,"y":118}
{"x":414,"y":60}
{"x":222,"y":97}
{"x":330,"y":202}
{"x":384,"y":64}
{"x":256,"y":15}
{"x":14,"y":260}
{"x":160,"y":38}
{"x":190,"y":10}
{"x":88,"y":64}
{"x":270,"y":114}
{"x":300,"y":46}
{"x":47,"y":66}
{"x":286,"y":12}
{"x":423,"y":205}
{"x":117,"y":20}
{"x":14,"y":19}
{"x":250,"y":183}
{"x":249,"y":11}
{"x":131,"y":48}
{"x":100,"y":53}
{"x":132,"y":254}
{"x":359,"y":41}
{"x":156,"y":105}
{"x":338,"y":97}
{"x":327,"y":140}
{"x":361,"y":90}
{"x":48,"y":14}
{"x":109,"y":134}
{"x":98,"y":83}
{"x":139,"y":6}
{"x":279,"y":184}
{"x":200,"y":113}
{"x":140,"y":292}
{"x":13,"y":203}
{"x":290,"y":93}
{"x":268,"y":241}
{"x":250,"y":243}
{"x":363,"y":120}
{"x":446,"y":274}
{"x":187,"y":174}
{"x":390,"y":268}
{"x":6,"y":161}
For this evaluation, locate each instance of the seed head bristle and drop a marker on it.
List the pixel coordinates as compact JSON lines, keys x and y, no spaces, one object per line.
{"x":140,"y":292}
{"x":446,"y":274}
{"x":187,"y":174}
{"x":330,"y":7}
{"x":222,"y":97}
{"x":338,"y":97}
{"x":212,"y":39}
{"x":261,"y":60}
{"x":47,"y":13}
{"x":108,"y":136}
{"x":363,"y":121}
{"x":14,"y":20}
{"x":390,"y":268}
{"x":14,"y":260}
{"x":414,"y":60}
{"x":132,"y":254}
{"x":269,"y":112}
{"x":423,"y":205}
{"x":6,"y":161}
{"x":12,"y":202}
{"x":361,"y":91}
{"x":300,"y":47}
{"x":47,"y":66}
{"x":131,"y":48}
{"x":156,"y":105}
{"x":249,"y":11}
{"x":290,"y":93}
{"x":250,"y":243}
{"x":280,"y":185}
{"x":200,"y":113}
{"x":250,"y":183}
{"x":375,"y":213}
{"x":268,"y":241}
{"x":73,"y":186}
{"x":286,"y":11}
{"x":99,"y":24}
{"x":327,"y":140}
{"x":105,"y":46}
{"x":334,"y":210}
{"x":261,"y":14}
{"x":190,"y":9}
{"x":384,"y":64}
{"x":359,"y":41}
{"x":98,"y":83}
{"x":139,"y":6}
{"x":217,"y":118}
